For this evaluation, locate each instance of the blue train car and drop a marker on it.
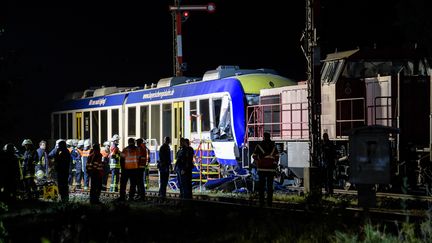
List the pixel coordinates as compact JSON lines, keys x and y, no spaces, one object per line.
{"x":208,"y":109}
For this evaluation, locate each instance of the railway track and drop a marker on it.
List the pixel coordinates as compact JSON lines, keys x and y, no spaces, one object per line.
{"x":378,"y":194}
{"x":373,"y":213}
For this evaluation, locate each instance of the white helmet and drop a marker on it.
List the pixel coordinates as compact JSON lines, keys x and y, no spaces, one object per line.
{"x":58,"y":141}
{"x":80,"y":143}
{"x":87,"y":143}
{"x":69,"y":142}
{"x":116,"y":137}
{"x":27,"y":142}
{"x":75,"y":142}
{"x":39,"y":174}
{"x":106,"y":143}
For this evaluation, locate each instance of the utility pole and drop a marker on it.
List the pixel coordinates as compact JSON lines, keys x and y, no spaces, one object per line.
{"x":180,"y":13}
{"x":311,"y":50}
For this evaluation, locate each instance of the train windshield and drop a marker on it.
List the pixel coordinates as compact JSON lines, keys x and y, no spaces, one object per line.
{"x":224,"y":130}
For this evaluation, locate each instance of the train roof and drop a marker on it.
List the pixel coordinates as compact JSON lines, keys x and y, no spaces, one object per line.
{"x":252,"y":81}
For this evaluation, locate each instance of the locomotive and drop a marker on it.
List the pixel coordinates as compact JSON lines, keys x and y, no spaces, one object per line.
{"x":358,"y":88}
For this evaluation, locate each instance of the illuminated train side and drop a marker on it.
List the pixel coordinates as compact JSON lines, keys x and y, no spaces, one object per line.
{"x":212,"y":109}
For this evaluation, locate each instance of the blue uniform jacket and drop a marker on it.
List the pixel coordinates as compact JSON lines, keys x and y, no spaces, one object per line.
{"x":42,"y":163}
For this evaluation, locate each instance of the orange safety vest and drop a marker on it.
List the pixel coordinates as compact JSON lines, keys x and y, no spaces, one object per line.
{"x":143,"y":156}
{"x":131,"y":158}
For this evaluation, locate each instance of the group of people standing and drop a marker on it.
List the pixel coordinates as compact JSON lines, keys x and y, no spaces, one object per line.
{"x":73,"y":164}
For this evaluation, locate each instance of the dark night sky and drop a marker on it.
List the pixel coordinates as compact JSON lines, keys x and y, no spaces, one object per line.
{"x":50,"y":49}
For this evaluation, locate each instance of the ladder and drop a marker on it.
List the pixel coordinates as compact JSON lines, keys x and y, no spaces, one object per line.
{"x":204,"y":160}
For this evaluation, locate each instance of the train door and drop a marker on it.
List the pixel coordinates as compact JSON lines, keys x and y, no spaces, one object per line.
{"x":178,"y":124}
{"x":78,"y":124}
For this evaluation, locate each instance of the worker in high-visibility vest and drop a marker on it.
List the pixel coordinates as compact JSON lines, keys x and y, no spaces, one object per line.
{"x":266,"y":157}
{"x":114,"y":163}
{"x":84,"y":157}
{"x":142,"y":165}
{"x":129,"y":165}
{"x":105,"y":151}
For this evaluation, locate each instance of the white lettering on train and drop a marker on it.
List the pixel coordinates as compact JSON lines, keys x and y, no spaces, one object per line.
{"x":100,"y":102}
{"x":159,"y":94}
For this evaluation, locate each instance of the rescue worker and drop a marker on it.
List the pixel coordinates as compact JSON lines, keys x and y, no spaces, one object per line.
{"x":42,"y":162}
{"x":52,"y":173}
{"x":95,"y":172}
{"x":141,"y":176}
{"x":62,"y":161}
{"x":105,"y":151}
{"x":183,"y":168}
{"x":114,"y":163}
{"x":129,"y":165}
{"x":84,"y":157}
{"x":10,"y":173}
{"x":30,"y":160}
{"x":164,"y":166}
{"x":74,"y":154}
{"x":189,"y":167}
{"x":78,"y":164}
{"x":266,"y":157}
{"x":329,"y":162}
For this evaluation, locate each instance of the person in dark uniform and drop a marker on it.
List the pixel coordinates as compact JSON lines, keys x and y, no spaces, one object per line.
{"x":266,"y":157}
{"x":164,"y":166}
{"x":30,"y":160}
{"x":329,"y":159}
{"x":180,"y":167}
{"x":95,"y":170}
{"x":62,"y":161}
{"x":189,"y":166}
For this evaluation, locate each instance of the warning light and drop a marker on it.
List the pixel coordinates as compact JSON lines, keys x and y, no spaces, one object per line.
{"x":185,"y":16}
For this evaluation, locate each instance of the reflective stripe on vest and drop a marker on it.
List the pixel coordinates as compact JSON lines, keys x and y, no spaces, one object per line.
{"x":131,"y":158}
{"x":85,"y":153}
{"x":143,"y":156}
{"x":266,"y":163}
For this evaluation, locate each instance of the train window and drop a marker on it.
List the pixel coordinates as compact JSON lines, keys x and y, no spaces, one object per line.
{"x":115,"y":121}
{"x":331,"y":71}
{"x":95,"y":126}
{"x":63,"y":126}
{"x":131,"y":121}
{"x":155,"y":122}
{"x":252,"y":99}
{"x":104,"y":125}
{"x":193,"y":116}
{"x":86,"y":125}
{"x":144,"y":122}
{"x":56,"y":127}
{"x":205,"y":115}
{"x":166,"y":120}
{"x":270,"y":99}
{"x":272,"y":114}
{"x":69,"y":125}
{"x":217,"y":108}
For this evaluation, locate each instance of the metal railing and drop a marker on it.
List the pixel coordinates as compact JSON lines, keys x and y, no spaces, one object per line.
{"x":282,"y":121}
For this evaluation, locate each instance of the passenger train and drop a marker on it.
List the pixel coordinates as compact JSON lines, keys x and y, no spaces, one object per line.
{"x":211,"y":108}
